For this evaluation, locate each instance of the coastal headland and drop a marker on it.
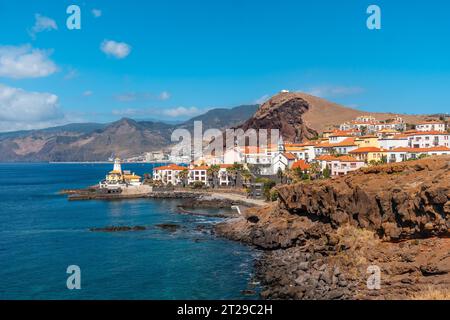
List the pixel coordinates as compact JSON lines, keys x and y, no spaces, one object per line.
{"x":328,"y":239}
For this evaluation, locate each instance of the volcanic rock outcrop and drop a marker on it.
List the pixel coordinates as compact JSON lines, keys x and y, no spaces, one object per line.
{"x":323,"y":238}
{"x":397,"y":201}
{"x":283,"y":112}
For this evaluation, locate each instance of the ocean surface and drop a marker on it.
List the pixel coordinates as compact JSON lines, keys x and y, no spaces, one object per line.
{"x":42,"y":233}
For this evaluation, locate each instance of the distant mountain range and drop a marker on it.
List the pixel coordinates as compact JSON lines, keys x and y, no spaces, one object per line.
{"x":298,"y":116}
{"x":97,"y":142}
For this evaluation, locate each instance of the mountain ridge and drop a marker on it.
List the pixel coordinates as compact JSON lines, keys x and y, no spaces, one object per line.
{"x":298,"y":116}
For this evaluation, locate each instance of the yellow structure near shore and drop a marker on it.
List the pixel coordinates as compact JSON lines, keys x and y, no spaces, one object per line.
{"x":118,"y":178}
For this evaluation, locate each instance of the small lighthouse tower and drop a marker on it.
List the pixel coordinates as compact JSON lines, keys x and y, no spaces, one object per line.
{"x":281,"y":148}
{"x":117,"y":165}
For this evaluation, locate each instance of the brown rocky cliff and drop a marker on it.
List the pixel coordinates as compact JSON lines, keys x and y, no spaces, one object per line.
{"x":283,"y":112}
{"x":397,"y":201}
{"x":300,"y":116}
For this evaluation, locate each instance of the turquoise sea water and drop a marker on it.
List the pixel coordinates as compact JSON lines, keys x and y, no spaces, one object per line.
{"x":41,"y":234}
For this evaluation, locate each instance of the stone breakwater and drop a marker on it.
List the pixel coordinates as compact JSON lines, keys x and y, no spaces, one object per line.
{"x":320,"y":238}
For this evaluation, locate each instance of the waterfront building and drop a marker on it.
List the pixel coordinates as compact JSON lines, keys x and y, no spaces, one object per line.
{"x":118,"y":178}
{"x":198,"y":174}
{"x":169,"y":174}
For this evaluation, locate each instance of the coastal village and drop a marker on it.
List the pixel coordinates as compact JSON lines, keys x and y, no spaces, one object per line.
{"x":363,"y":142}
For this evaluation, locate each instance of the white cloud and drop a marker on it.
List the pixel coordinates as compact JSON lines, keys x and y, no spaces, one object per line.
{"x":334,"y":91}
{"x":118,"y":50}
{"x":25,"y":62}
{"x":96,"y":13}
{"x":87,"y":93}
{"x":41,"y":24}
{"x":262,"y":99}
{"x":164,"y":96}
{"x":21,"y":110}
{"x":182,"y":112}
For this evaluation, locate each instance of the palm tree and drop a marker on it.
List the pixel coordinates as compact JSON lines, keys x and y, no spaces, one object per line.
{"x":246,"y":175}
{"x":183,"y":176}
{"x":213,"y":174}
{"x":234,"y":172}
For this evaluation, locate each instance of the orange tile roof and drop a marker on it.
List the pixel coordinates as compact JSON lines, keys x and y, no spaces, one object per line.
{"x":422,"y":133}
{"x":346,"y":133}
{"x":203,"y":167}
{"x":225,"y":166}
{"x":367,"y":149}
{"x":300,"y":164}
{"x":253,"y":149}
{"x":131,"y":176}
{"x":347,"y":159}
{"x":345,"y":143}
{"x":417,"y":150}
{"x":170,"y":167}
{"x":325,"y":157}
{"x":289,"y":156}
{"x":431,"y":122}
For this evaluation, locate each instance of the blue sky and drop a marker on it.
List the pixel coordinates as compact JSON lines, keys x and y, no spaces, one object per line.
{"x":174,"y":59}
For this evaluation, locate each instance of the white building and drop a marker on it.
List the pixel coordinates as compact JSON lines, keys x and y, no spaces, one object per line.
{"x":282,"y":161}
{"x":256,"y":155}
{"x":428,"y":139}
{"x":403,"y":154}
{"x":198,"y":174}
{"x":431,"y":126}
{"x":397,"y":141}
{"x":233,"y":155}
{"x":169,"y":174}
{"x":339,"y":166}
{"x":343,"y":147}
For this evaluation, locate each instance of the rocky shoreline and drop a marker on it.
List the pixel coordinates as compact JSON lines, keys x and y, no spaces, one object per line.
{"x":324,"y":239}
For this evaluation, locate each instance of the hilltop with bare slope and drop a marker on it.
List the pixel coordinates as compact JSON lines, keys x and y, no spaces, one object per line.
{"x":300,"y":116}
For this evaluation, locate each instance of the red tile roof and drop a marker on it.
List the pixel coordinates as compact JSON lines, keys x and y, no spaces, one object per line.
{"x":300,"y":164}
{"x":289,"y":156}
{"x":367,"y":149}
{"x":347,"y":159}
{"x":418,"y":150}
{"x":325,"y":157}
{"x":345,"y":143}
{"x":170,"y":167}
{"x":424,"y":133}
{"x":203,"y":167}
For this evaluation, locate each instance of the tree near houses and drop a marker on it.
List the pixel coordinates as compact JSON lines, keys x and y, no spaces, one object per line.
{"x":326,"y":173}
{"x":314,"y":170}
{"x":246,"y":175}
{"x":234,"y":172}
{"x":213,"y":175}
{"x":183,"y":176}
{"x":291,"y":175}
